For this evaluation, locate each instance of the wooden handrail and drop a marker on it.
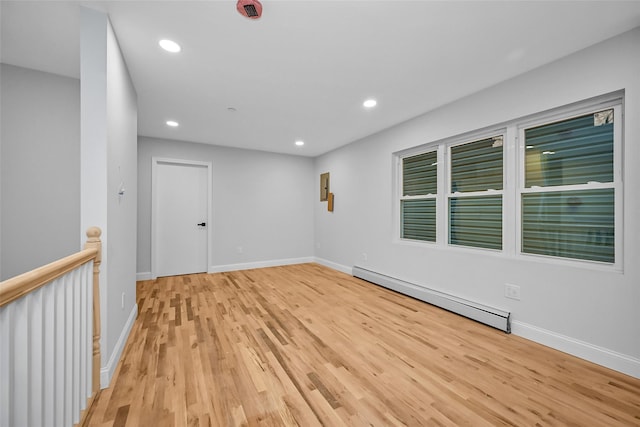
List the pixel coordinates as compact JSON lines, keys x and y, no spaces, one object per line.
{"x":19,"y":286}
{"x":15,"y":287}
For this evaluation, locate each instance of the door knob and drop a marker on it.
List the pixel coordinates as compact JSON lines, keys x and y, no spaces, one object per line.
{"x":202,"y":224}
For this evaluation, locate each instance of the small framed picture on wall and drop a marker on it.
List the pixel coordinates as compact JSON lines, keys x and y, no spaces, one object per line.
{"x":324,"y":187}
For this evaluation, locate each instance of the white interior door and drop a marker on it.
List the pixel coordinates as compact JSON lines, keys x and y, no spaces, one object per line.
{"x":181,"y":218}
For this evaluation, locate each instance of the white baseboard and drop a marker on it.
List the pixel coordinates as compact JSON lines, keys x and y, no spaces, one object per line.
{"x":259,"y":264}
{"x":146,"y":275}
{"x":334,"y":265}
{"x":619,"y":362}
{"x":106,"y":373}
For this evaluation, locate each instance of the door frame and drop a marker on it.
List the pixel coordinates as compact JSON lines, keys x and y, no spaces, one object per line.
{"x":155,"y":162}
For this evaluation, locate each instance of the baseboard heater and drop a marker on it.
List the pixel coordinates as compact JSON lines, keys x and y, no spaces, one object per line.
{"x":488,"y":315}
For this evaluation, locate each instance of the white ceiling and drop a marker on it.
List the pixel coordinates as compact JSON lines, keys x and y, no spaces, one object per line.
{"x":303,"y":70}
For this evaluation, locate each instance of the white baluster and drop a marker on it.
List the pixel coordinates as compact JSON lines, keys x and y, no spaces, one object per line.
{"x":20,"y":347}
{"x":68,"y":354}
{"x":48,"y":388}
{"x":74,"y":279}
{"x":35,"y":356}
{"x":82,"y":366}
{"x":6,"y":366}
{"x":59,"y":352}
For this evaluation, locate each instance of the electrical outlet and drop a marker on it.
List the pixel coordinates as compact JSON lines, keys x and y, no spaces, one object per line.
{"x":512,"y":291}
{"x":239,"y":249}
{"x":122,"y":303}
{"x":364,"y":256}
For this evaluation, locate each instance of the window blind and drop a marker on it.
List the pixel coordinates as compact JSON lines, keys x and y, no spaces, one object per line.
{"x":419,"y":188}
{"x":565,"y":222}
{"x":419,"y":174}
{"x":574,"y":151}
{"x":419,"y":219}
{"x":477,"y":166}
{"x":570,"y":224}
{"x":476,"y":221}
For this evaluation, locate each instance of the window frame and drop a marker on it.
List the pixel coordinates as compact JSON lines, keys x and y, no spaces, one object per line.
{"x":563,"y":114}
{"x":514,"y":181}
{"x":476,"y":137}
{"x":401,"y":197}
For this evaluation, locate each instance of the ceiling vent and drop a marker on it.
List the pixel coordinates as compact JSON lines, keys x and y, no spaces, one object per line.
{"x":250,"y":8}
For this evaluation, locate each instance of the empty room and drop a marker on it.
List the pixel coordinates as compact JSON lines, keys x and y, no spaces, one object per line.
{"x":319,"y":213}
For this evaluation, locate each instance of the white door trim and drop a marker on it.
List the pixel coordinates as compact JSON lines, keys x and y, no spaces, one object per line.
{"x":155,"y":161}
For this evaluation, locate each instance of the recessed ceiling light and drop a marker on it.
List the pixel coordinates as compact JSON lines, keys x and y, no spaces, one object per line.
{"x":370,"y":103}
{"x":299,"y":143}
{"x":172,"y":123}
{"x":170,"y":45}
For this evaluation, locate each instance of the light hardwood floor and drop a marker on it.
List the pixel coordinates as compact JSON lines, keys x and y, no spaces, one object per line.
{"x":308,"y":346}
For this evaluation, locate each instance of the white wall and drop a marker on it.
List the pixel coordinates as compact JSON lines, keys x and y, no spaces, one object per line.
{"x":108,"y":158}
{"x":40,"y":168}
{"x":590,"y":313}
{"x":262,"y":202}
{"x":122,"y":164}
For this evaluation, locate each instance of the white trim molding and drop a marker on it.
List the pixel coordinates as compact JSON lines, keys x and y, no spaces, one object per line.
{"x":107,"y":371}
{"x":602,"y":356}
{"x":335,"y":266}
{"x":146,"y":275}
{"x":259,"y":264}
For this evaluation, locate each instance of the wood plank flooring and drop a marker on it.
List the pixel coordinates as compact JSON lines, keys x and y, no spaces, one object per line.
{"x":304,"y":345}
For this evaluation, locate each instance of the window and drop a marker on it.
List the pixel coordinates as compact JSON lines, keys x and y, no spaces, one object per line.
{"x":475,"y":194}
{"x":568,"y":196}
{"x":547,"y":186}
{"x":418,"y":201}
